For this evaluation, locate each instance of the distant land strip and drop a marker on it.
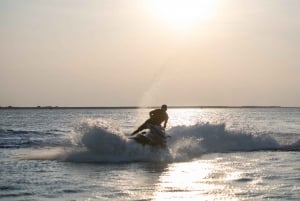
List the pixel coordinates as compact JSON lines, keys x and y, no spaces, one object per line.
{"x":138,"y":107}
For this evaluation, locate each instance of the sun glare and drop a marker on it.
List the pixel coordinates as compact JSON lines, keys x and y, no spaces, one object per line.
{"x":185,"y":180}
{"x":183,"y":13}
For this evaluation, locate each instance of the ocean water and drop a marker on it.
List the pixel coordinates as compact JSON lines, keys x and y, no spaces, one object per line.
{"x":212,"y":154}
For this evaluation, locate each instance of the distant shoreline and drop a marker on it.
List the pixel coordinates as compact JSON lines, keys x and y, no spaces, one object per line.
{"x":136,"y":107}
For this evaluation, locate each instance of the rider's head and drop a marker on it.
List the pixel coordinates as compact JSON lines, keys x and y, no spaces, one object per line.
{"x":164,"y":107}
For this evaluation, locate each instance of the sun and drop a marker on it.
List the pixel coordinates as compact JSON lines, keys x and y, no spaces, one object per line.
{"x":183,"y":13}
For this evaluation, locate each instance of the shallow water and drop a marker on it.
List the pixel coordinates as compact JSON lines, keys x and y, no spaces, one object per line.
{"x":213,"y":154}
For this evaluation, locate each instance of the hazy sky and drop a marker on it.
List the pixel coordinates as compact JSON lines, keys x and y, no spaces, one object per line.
{"x":135,"y":52}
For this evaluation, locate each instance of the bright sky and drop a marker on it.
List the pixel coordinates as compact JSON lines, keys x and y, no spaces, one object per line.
{"x":149,"y":52}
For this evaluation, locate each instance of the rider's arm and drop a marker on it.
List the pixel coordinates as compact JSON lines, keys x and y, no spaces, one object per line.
{"x":166,"y":121}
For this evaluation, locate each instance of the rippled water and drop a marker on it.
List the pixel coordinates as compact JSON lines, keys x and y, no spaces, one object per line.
{"x":213,"y":154}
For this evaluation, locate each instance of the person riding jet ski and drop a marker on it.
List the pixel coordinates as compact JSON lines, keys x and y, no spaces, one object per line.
{"x":157,"y":117}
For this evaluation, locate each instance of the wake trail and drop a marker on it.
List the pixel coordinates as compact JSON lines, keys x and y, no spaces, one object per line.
{"x":98,"y":141}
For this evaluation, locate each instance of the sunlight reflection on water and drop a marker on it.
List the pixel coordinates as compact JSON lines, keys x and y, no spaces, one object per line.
{"x":185,"y":117}
{"x":196,"y":180}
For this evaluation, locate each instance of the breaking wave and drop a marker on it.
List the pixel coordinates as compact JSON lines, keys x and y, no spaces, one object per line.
{"x":99,"y":141}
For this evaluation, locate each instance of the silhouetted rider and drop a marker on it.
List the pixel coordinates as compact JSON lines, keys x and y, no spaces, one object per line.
{"x":157,"y":117}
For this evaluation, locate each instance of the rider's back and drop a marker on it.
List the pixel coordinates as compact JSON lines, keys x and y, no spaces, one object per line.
{"x":158,"y":116}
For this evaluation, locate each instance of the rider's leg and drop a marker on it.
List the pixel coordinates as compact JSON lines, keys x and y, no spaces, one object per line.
{"x":142,"y":127}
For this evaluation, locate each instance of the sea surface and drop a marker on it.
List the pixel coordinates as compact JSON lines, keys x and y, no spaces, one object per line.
{"x":212,"y":154}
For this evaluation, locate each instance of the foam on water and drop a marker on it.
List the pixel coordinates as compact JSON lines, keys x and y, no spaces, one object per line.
{"x":99,"y":141}
{"x":215,"y":138}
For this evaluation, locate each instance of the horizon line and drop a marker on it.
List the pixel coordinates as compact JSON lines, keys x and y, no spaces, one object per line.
{"x":141,"y":107}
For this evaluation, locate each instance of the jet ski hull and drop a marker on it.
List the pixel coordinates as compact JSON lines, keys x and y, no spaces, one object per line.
{"x":154,"y":137}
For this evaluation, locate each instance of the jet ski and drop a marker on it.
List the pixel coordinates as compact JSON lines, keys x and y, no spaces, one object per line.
{"x":155,"y":136}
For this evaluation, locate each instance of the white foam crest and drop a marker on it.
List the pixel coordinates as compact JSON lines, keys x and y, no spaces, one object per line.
{"x":215,"y":138}
{"x":98,"y":136}
{"x":99,"y":141}
{"x":185,"y":148}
